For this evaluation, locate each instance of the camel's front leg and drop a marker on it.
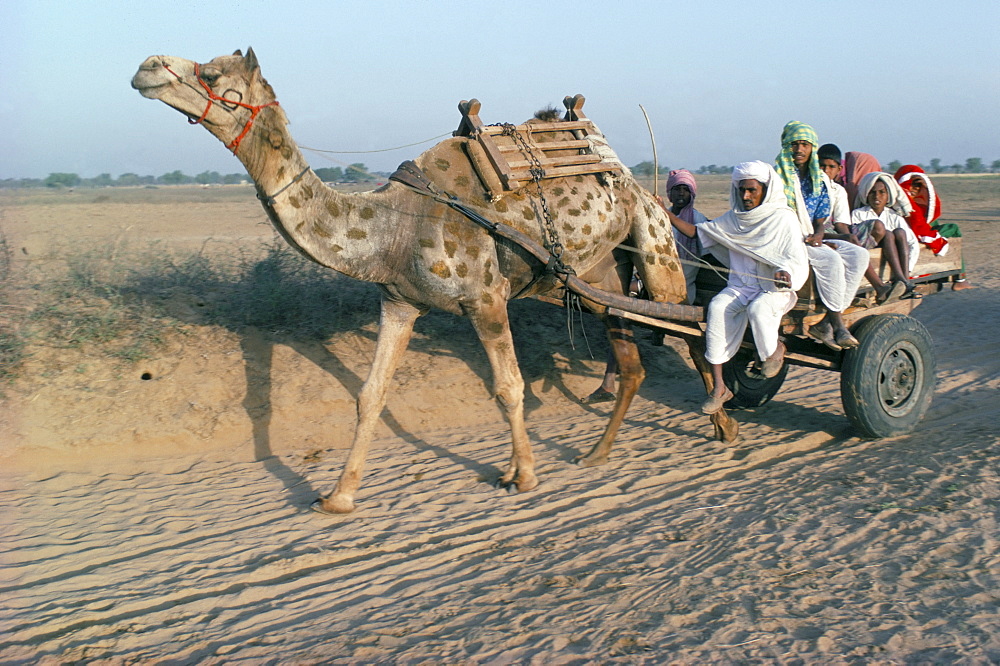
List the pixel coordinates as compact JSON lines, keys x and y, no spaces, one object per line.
{"x":727,"y":429}
{"x":493,"y":328}
{"x":631,"y":376}
{"x":394,"y":333}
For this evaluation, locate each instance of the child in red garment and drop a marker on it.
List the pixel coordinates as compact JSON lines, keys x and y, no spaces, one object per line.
{"x":926,"y":213}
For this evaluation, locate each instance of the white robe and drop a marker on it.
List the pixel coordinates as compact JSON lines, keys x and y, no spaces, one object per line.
{"x":891,"y":221}
{"x":761,"y":242}
{"x":837,"y":270}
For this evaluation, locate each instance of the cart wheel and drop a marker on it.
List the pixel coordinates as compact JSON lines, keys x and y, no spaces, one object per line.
{"x":749,"y":390}
{"x":887,"y":381}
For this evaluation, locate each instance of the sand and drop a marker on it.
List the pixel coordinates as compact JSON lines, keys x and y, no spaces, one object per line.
{"x":165,"y":520}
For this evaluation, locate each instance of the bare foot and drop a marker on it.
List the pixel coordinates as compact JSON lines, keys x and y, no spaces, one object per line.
{"x":959,"y":285}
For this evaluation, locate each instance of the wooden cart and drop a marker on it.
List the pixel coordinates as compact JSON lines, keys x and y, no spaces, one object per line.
{"x":886,"y":383}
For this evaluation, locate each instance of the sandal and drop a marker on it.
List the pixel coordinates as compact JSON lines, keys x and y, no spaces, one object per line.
{"x":598,"y":396}
{"x":823,"y":334}
{"x":893,"y":292}
{"x":715,"y":403}
{"x":772,"y":364}
{"x":845,"y":339}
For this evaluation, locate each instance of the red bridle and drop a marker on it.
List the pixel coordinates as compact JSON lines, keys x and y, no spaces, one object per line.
{"x":233,"y":145}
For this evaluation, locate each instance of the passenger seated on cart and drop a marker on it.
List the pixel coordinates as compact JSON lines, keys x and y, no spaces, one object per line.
{"x":926,"y":213}
{"x":681,"y":192}
{"x":830,"y":162}
{"x":838,"y":265}
{"x":875,"y":223}
{"x":857,"y":166}
{"x":768,"y":263}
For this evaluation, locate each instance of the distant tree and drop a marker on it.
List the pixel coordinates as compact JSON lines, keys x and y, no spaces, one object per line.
{"x":643,"y":169}
{"x":174,"y":178}
{"x":13,"y":183}
{"x":208,"y":178}
{"x":974,"y":165}
{"x":357,"y":173}
{"x":956,"y":168}
{"x":62,"y":180}
{"x":715,"y":169}
{"x":330,"y":174}
{"x":995,"y":166}
{"x":128,"y":180}
{"x":234,"y":178}
{"x":103,"y":180}
{"x":893,"y":166}
{"x":936,"y":165}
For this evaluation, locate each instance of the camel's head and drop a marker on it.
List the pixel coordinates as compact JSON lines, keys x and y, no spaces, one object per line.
{"x":225,"y":94}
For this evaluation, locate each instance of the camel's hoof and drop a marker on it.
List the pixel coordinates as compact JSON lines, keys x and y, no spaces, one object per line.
{"x":523,"y":483}
{"x":591,"y":460}
{"x":332,"y":506}
{"x":526,"y":483}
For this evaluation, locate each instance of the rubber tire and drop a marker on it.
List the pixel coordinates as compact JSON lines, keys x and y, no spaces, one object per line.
{"x":887,"y":381}
{"x":749,"y":391}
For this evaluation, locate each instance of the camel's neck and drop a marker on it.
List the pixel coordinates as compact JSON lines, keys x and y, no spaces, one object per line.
{"x":339,"y":230}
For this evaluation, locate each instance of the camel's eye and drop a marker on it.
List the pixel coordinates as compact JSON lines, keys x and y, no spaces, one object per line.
{"x":210,"y":77}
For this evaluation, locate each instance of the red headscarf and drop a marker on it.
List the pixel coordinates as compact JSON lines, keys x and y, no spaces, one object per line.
{"x":922,"y":215}
{"x":856,"y":166}
{"x":684,"y":177}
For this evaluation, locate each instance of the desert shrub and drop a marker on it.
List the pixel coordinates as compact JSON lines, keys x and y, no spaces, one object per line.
{"x":123,"y":302}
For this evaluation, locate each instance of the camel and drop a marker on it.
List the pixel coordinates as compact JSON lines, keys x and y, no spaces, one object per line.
{"x":423,"y":254}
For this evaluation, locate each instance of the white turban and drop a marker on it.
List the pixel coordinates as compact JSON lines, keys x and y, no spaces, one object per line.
{"x":898,"y":201}
{"x":756,"y":170}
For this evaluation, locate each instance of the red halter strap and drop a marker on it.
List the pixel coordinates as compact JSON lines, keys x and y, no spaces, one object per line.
{"x":233,"y":145}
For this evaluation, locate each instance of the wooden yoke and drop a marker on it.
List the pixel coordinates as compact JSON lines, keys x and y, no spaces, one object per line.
{"x":560,"y":148}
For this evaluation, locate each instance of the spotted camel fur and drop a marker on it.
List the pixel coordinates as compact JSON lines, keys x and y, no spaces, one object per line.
{"x":423,"y":255}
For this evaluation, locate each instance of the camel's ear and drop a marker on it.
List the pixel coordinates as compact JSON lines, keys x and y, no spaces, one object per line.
{"x":238,"y":52}
{"x":251,"y":59}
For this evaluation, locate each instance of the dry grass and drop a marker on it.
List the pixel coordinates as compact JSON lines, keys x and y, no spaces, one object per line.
{"x":122,"y":304}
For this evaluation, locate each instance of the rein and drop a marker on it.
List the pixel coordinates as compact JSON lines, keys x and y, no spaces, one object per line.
{"x":233,"y":145}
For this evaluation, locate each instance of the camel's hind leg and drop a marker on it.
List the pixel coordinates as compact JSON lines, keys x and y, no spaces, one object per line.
{"x":394,"y":333}
{"x":727,"y":429}
{"x":493,"y":328}
{"x":632,"y":375}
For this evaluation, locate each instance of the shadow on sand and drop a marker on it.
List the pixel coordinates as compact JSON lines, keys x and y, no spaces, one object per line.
{"x":281,"y":298}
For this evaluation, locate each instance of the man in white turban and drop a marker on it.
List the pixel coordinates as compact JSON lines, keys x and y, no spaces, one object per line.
{"x":768,"y":263}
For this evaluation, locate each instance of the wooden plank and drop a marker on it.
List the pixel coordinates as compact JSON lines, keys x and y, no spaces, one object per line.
{"x":573,"y":170}
{"x":536,"y":128}
{"x":554,"y":162}
{"x":675,"y":329}
{"x":575,"y":144}
{"x":928,"y":263}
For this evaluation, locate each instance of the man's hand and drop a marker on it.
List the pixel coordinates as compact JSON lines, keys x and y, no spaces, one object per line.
{"x":783,"y":279}
{"x":815,"y":240}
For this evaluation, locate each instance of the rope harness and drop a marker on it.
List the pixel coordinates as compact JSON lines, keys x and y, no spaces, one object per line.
{"x":233,"y":145}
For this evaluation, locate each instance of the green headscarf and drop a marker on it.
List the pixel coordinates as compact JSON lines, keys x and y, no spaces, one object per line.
{"x":796,"y":131}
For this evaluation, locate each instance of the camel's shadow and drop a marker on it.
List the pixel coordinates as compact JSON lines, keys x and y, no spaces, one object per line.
{"x":281,"y":298}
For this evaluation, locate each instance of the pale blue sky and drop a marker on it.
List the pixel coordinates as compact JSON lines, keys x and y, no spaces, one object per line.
{"x":903,"y":80}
